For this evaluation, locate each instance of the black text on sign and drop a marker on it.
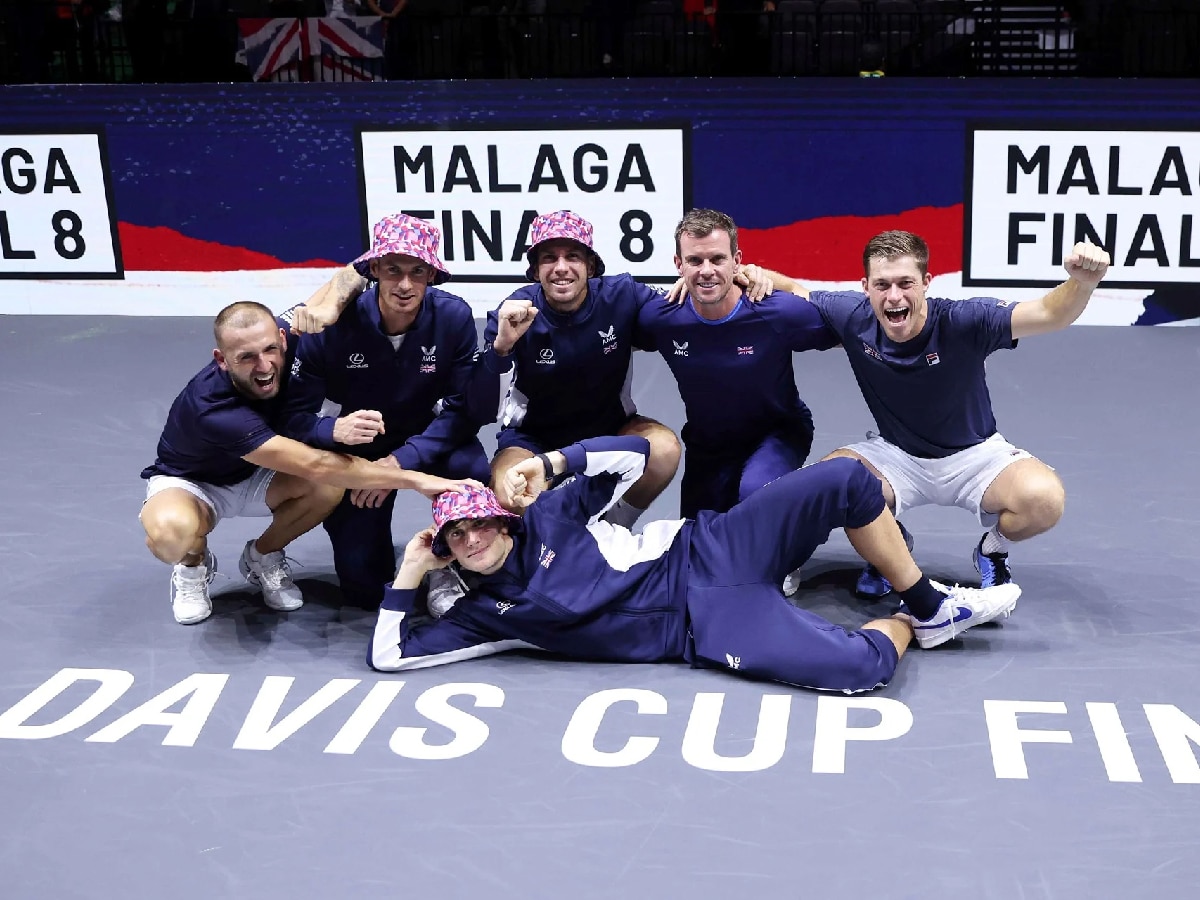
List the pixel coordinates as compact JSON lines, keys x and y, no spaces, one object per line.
{"x":1035,"y":193}
{"x":56,"y":211}
{"x":484,"y":187}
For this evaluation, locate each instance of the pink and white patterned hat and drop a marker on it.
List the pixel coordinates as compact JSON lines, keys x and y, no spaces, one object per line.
{"x":562,"y":224}
{"x":400,"y":233}
{"x":474,"y":503}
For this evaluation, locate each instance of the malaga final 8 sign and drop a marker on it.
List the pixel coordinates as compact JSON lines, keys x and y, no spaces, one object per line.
{"x":483,"y":187}
{"x":56,"y":210}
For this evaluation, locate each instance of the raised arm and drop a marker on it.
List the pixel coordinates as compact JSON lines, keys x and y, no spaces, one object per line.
{"x":322,"y":309}
{"x":493,"y":370}
{"x":1086,"y":266}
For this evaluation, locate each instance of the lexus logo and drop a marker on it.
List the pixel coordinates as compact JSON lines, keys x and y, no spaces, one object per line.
{"x":357,"y":358}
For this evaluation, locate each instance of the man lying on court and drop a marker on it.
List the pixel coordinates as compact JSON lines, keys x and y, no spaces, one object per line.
{"x":705,"y":590}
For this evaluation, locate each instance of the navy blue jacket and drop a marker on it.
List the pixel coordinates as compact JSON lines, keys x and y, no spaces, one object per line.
{"x":572,"y":585}
{"x":419,"y":387}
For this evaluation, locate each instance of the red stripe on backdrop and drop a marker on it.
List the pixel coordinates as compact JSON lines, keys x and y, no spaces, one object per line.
{"x":831,"y":249}
{"x":828,"y":249}
{"x":164,"y":249}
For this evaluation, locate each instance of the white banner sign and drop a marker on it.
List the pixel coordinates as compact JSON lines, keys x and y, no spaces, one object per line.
{"x":1035,"y":193}
{"x":482,"y":188}
{"x":56,"y":212}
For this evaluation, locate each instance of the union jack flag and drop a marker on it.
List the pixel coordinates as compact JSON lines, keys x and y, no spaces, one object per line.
{"x":315,"y":49}
{"x":746,"y":351}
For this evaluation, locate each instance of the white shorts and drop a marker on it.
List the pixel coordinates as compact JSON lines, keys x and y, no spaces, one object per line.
{"x":227,"y":501}
{"x":960,"y":479}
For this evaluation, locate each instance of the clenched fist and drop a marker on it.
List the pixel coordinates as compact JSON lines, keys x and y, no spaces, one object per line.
{"x":1087,"y":263}
{"x":515,"y":316}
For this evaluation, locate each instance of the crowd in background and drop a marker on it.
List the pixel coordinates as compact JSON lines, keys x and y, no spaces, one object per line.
{"x":109,"y":41}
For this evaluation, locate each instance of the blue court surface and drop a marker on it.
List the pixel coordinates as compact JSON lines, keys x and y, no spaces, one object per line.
{"x":255,"y":755}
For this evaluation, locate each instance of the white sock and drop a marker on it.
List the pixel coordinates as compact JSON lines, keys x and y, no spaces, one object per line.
{"x":623,"y":513}
{"x":995,"y":542}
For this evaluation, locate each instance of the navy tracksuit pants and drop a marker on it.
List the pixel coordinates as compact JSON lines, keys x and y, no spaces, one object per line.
{"x":737,"y":616}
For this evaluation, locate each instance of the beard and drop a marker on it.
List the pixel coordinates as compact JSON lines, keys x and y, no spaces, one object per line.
{"x":249,"y":388}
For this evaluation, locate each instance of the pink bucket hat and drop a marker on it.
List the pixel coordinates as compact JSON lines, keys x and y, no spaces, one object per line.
{"x":475,"y":503}
{"x":405,"y":234}
{"x":562,"y":224}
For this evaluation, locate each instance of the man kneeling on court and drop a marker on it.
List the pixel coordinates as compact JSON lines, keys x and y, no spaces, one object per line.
{"x":705,"y":590}
{"x":219,"y":456}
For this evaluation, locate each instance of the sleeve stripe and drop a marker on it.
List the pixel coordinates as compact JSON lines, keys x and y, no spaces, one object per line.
{"x":386,"y":655}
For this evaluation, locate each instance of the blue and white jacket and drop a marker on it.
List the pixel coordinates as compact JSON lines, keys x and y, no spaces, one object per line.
{"x":572,"y":585}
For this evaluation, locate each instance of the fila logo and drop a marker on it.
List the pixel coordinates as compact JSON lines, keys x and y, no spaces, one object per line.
{"x":545,"y":357}
{"x":545,"y":557}
{"x":504,"y":606}
{"x":357,"y":361}
{"x":735,"y":662}
{"x":680,"y":349}
{"x":429,"y":354}
{"x":746,"y":351}
{"x":932,"y":359}
{"x":871,"y":352}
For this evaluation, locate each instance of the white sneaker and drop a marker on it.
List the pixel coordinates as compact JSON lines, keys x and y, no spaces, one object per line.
{"x":964,"y":608}
{"x":189,"y":590}
{"x":271,"y":573}
{"x":445,"y":589}
{"x":791,"y":583}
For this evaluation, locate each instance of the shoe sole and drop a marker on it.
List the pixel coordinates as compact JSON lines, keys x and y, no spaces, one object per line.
{"x":192,"y":621}
{"x":279,"y":607}
{"x":870,"y":595}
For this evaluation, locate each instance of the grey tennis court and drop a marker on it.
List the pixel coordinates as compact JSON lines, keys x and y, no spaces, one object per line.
{"x":256,"y":756}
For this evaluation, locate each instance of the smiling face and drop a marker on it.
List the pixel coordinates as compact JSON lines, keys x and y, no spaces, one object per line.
{"x":707,"y":265}
{"x":403,"y":281}
{"x":896,"y":288}
{"x":479,"y":545}
{"x":252,"y":352}
{"x":563,"y":268}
